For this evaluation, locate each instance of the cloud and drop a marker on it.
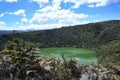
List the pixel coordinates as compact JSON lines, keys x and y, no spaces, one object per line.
{"x":39,"y":27}
{"x":76,"y":3}
{"x":90,"y":3}
{"x":24,"y":20}
{"x":1,"y":15}
{"x":2,"y":23}
{"x":46,"y":26}
{"x":9,"y":1}
{"x":54,"y":16}
{"x":57,"y":3}
{"x":20,"y":12}
{"x":53,"y":11}
{"x":40,"y":2}
{"x":51,"y":14}
{"x":100,"y":3}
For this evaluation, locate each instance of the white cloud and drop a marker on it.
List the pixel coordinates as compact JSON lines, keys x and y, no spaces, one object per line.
{"x":16,"y":23}
{"x":51,"y":14}
{"x":20,"y":12}
{"x":99,"y":3}
{"x":39,"y":27}
{"x":40,"y":2}
{"x":90,"y":3}
{"x":76,"y":3}
{"x":1,"y":15}
{"x":24,"y":20}
{"x":46,"y":26}
{"x":9,"y":1}
{"x":2,"y":23}
{"x":57,"y":3}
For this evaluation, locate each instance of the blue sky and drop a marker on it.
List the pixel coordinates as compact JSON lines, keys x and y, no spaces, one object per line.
{"x":48,"y":14}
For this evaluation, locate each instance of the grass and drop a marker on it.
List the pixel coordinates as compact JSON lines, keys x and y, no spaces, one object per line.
{"x":85,"y":56}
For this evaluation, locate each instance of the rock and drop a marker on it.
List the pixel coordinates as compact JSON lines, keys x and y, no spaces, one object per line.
{"x":117,"y":69}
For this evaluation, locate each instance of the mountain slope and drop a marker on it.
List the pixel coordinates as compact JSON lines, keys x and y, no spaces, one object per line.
{"x":85,"y":36}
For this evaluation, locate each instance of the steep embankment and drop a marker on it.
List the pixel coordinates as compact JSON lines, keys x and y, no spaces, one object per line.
{"x":84,"y":36}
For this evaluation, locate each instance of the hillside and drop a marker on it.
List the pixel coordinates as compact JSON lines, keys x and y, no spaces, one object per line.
{"x":84,"y":36}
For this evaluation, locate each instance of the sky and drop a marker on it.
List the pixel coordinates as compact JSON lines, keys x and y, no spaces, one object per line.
{"x":49,"y":14}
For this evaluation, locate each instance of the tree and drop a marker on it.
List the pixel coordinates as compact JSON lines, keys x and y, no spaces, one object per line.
{"x":109,"y":53}
{"x":17,"y":56}
{"x":20,"y":51}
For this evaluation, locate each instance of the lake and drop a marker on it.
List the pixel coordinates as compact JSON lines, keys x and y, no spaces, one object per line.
{"x":84,"y":56}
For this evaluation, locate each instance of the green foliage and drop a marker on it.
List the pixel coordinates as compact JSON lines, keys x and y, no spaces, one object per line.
{"x":109,"y":34}
{"x":117,"y":63}
{"x":109,"y":53}
{"x":20,"y":63}
{"x":19,"y":51}
{"x":83,"y":36}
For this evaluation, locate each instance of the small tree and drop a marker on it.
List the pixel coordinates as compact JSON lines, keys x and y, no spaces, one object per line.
{"x":20,"y":51}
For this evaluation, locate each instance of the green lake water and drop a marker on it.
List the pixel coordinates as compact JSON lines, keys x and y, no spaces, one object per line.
{"x":84,"y":56}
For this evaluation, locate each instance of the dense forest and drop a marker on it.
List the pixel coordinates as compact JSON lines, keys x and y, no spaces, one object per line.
{"x":89,"y":35}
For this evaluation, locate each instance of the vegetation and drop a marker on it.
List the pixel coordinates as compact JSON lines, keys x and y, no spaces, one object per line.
{"x":19,"y":61}
{"x":19,"y":51}
{"x":87,"y":36}
{"x":22,"y":60}
{"x":109,"y":53}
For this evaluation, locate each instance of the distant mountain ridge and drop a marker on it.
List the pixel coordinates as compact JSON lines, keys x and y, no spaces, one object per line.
{"x":5,"y":31}
{"x":84,"y":36}
{"x":13,"y":31}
